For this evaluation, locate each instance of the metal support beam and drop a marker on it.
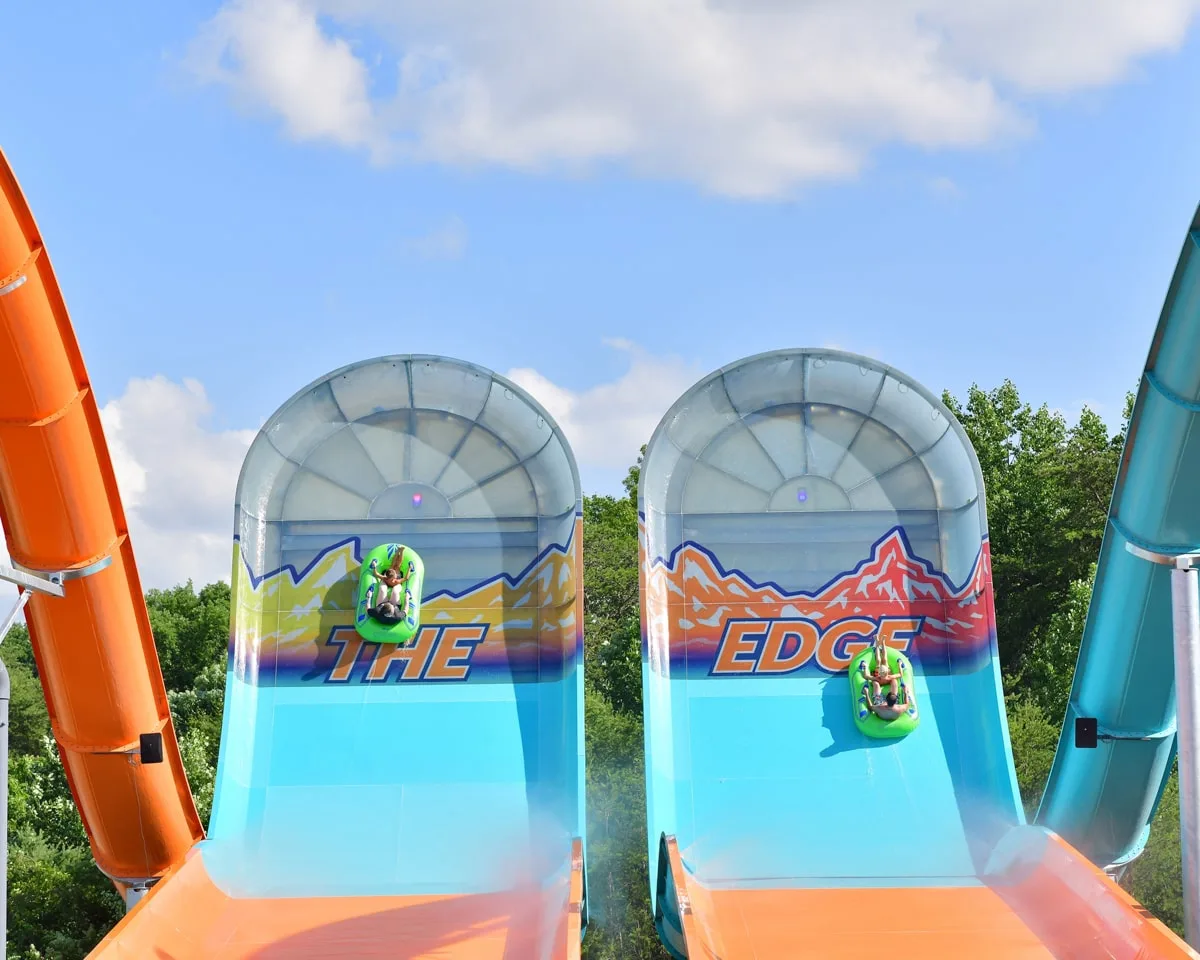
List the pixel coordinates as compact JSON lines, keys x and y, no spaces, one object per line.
{"x":1185,"y":619}
{"x":52,"y":585}
{"x":134,"y":894}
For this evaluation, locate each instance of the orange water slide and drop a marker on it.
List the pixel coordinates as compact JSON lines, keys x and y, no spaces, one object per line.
{"x":188,"y":917}
{"x":1056,"y":904}
{"x":62,"y":514}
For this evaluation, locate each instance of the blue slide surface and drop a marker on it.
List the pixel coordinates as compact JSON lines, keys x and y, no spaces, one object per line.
{"x":795,"y":505}
{"x":796,"y":508}
{"x":451,"y":766}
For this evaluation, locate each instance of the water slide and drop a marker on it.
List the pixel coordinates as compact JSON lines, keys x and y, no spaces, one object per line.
{"x":795,"y":507}
{"x":374,"y":799}
{"x":1103,"y":799}
{"x":62,"y":516}
{"x":371,"y":800}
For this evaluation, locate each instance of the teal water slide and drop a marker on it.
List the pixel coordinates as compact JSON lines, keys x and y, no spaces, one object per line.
{"x":1102,"y":800}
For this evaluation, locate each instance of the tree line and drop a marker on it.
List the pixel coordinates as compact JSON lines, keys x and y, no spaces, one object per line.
{"x":1048,"y":485}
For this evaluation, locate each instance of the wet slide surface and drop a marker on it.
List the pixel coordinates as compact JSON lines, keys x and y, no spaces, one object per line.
{"x":795,"y":507}
{"x":190,"y":916}
{"x":378,"y":800}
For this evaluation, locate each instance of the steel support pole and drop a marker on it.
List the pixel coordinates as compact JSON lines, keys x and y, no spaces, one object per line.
{"x":1185,"y":625}
{"x":1185,"y":615}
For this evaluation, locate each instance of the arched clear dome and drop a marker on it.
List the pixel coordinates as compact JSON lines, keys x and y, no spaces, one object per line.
{"x":805,"y":443}
{"x":414,"y":447}
{"x":407,"y":437}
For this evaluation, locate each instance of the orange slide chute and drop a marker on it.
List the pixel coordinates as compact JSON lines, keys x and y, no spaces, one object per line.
{"x":61,"y":513}
{"x":1052,"y":904}
{"x":190,"y":916}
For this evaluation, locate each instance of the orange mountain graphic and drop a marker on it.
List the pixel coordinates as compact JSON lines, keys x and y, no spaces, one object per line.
{"x":688,"y":599}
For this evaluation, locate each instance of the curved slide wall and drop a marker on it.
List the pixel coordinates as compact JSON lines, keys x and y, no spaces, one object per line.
{"x":1103,"y":799}
{"x":62,"y":514}
{"x":795,"y":505}
{"x":426,"y":800}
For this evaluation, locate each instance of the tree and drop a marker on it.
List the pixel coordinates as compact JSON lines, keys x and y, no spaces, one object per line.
{"x":60,"y":904}
{"x":612,"y":624}
{"x":1048,"y":669}
{"x":28,"y":720}
{"x":1156,"y":877}
{"x":1048,"y":488}
{"x":191,"y":631}
{"x":621,"y":925}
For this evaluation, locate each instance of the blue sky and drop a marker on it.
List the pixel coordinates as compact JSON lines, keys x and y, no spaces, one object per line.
{"x":206,"y":228}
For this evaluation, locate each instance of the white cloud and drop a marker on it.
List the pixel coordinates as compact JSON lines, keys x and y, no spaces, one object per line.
{"x":607,"y":424}
{"x":447,"y":242}
{"x":177,"y":478}
{"x":745,"y":97}
{"x":274,"y":54}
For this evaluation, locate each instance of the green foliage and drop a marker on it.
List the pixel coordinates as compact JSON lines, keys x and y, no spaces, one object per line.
{"x":28,"y":721}
{"x":612,"y":626}
{"x":1156,"y":878}
{"x":1049,"y":667}
{"x":1034,"y":739}
{"x":191,"y":631}
{"x":197,"y":710}
{"x":1048,"y":488}
{"x":18,"y":649}
{"x":195,"y":748}
{"x":621,"y":926}
{"x":39,"y":800}
{"x":59,"y":904}
{"x":630,"y":483}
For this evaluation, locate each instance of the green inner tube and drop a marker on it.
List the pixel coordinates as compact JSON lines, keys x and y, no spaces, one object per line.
{"x":371,"y":592}
{"x":864,"y":718}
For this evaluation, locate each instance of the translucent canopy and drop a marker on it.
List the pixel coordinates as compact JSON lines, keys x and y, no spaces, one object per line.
{"x":408,"y":437}
{"x":808,"y":431}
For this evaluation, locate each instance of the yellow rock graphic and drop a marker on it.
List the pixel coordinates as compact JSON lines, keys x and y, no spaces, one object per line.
{"x":294,"y":618}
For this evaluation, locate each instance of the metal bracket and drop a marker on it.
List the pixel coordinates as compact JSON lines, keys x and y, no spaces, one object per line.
{"x":51,"y":586}
{"x":1180,"y":561}
{"x":1088,"y":734}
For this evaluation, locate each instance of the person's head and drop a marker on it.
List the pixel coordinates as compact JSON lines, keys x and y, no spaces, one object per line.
{"x":891,"y":699}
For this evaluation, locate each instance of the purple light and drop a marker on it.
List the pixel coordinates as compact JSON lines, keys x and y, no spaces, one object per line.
{"x":801,"y":494}
{"x":416,"y":499}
